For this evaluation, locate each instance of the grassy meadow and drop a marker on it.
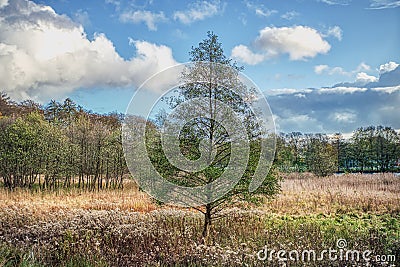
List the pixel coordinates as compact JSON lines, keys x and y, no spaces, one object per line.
{"x":127,"y":228}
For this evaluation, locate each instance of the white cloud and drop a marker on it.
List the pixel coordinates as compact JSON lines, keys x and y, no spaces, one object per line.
{"x":344,"y":117}
{"x":47,"y":55}
{"x":244,"y":54}
{"x":197,"y":11}
{"x":300,"y":42}
{"x":138,"y":16}
{"x":287,"y":91}
{"x":382,"y":4}
{"x":341,"y":90}
{"x":387,"y":67}
{"x":341,"y":108}
{"x":336,"y":32}
{"x":150,"y":59}
{"x":362,"y":67}
{"x":300,"y":95}
{"x":260,"y":10}
{"x":82,"y":17}
{"x":338,"y":70}
{"x":388,"y":89}
{"x":265,"y":12}
{"x":363,"y":78}
{"x":325,"y":69}
{"x":320,"y":68}
{"x":290,"y":15}
{"x":330,"y":90}
{"x":335,"y":2}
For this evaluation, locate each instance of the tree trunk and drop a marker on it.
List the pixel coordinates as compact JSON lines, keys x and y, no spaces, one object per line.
{"x":207,"y":222}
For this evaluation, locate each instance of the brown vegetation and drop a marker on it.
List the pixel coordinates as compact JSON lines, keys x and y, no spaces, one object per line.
{"x":125,"y":228}
{"x":305,"y":193}
{"x":41,"y":202}
{"x":302,"y":194}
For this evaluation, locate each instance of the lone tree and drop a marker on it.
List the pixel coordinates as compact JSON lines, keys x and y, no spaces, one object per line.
{"x":210,"y":78}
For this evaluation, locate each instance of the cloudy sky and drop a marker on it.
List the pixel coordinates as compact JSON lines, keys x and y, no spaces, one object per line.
{"x":324,"y":65}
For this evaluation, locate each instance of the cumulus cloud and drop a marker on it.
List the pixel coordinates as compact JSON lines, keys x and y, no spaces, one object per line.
{"x":325,"y":69}
{"x":363,"y":78}
{"x":321,"y":69}
{"x":244,"y":54}
{"x":45,"y":55}
{"x":300,"y":42}
{"x":139,"y":16}
{"x":197,"y":11}
{"x":337,"y":70}
{"x":388,"y":67}
{"x":389,"y":76}
{"x":151,"y":58}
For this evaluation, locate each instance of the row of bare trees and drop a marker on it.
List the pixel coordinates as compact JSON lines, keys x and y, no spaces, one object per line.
{"x":59,"y":145}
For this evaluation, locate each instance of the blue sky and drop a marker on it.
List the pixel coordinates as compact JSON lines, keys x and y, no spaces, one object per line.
{"x":324,"y":65}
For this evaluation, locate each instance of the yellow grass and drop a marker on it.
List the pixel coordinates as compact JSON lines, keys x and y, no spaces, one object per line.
{"x":301,"y":194}
{"x":307,"y":194}
{"x":127,"y":199}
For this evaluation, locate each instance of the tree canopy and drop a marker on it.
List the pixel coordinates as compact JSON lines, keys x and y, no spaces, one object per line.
{"x":210,"y":135}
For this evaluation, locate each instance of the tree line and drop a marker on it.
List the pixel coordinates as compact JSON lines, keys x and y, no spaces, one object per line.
{"x":59,"y":145}
{"x":369,"y":149}
{"x":63,"y":145}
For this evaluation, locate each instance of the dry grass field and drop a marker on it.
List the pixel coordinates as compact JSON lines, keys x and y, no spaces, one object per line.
{"x":127,"y":199}
{"x":302,"y":194}
{"x":362,"y":193}
{"x":126,"y":228}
